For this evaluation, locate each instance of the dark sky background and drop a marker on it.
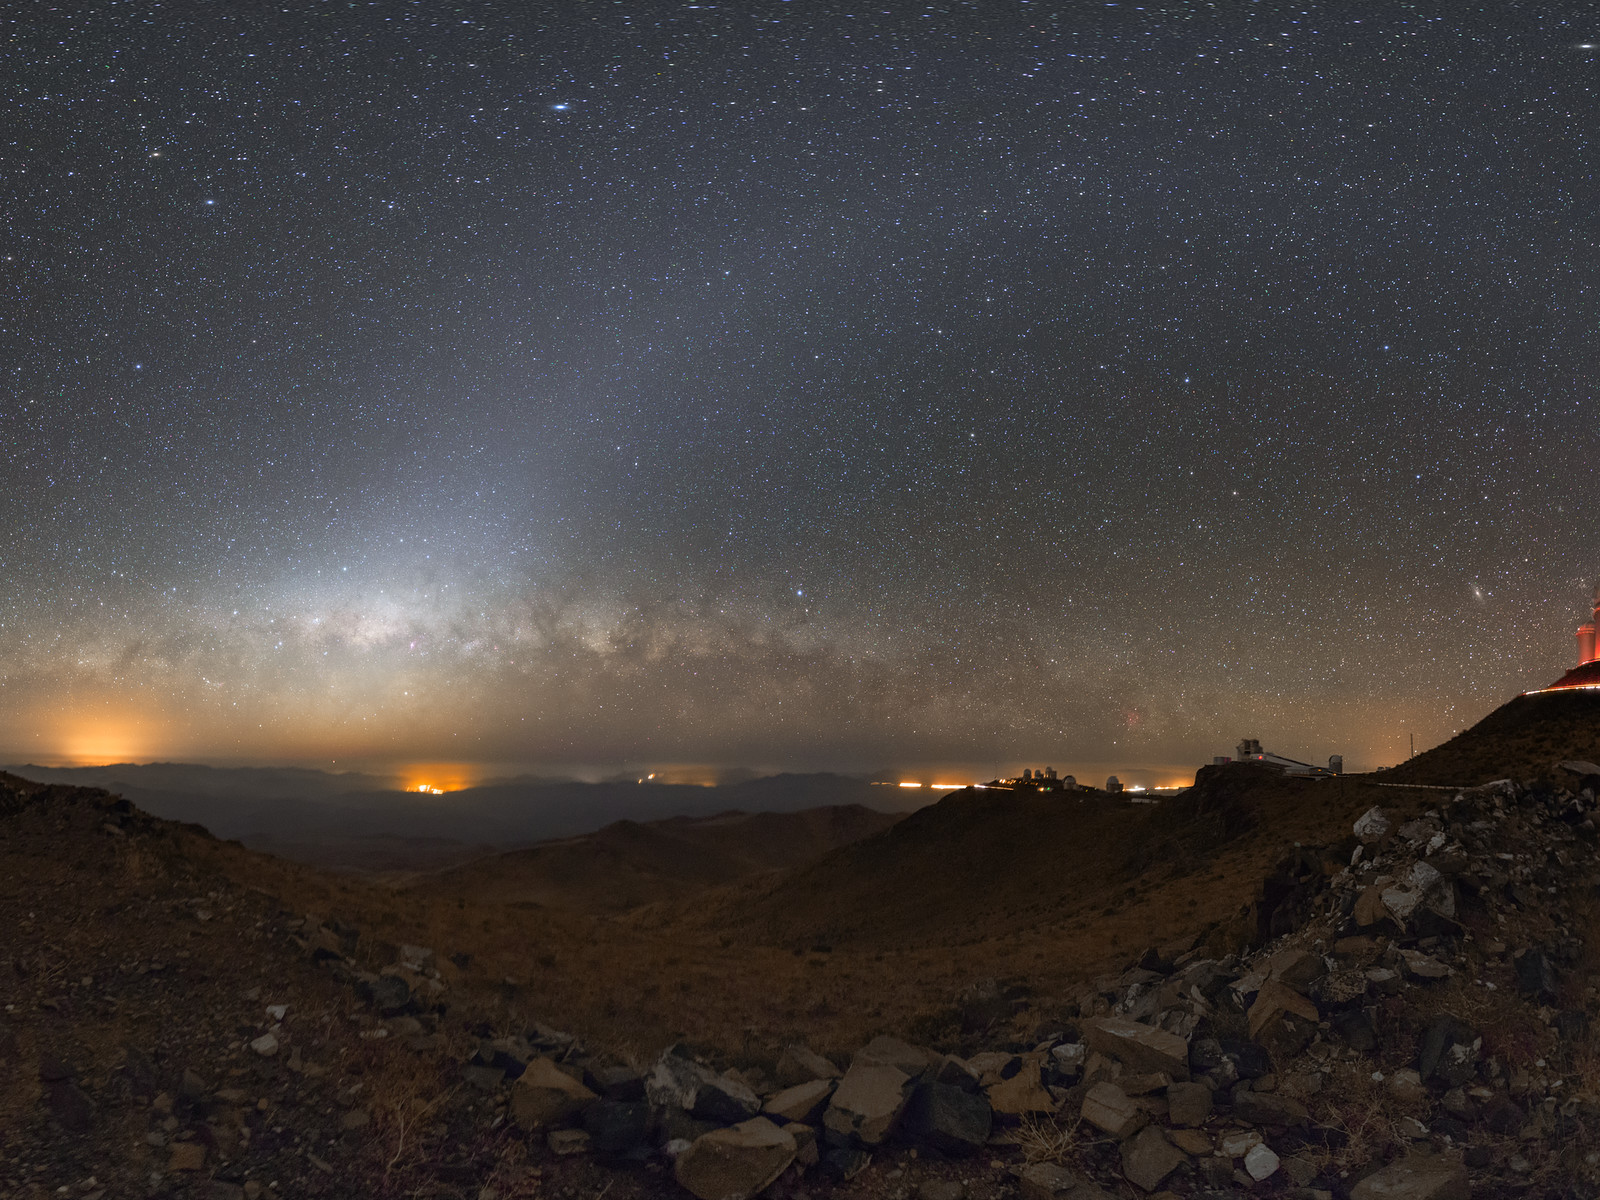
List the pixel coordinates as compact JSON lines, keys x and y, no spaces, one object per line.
{"x":791,"y":384}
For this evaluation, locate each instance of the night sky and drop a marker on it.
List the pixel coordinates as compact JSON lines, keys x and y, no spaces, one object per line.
{"x":791,"y":384}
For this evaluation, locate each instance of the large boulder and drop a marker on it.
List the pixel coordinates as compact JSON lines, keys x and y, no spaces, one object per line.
{"x":884,"y":1051}
{"x":1417,"y":1176}
{"x":869,"y":1101}
{"x":1148,"y":1158}
{"x":952,"y":1121}
{"x":547,"y":1095}
{"x":679,"y":1082}
{"x":1269,"y":1108}
{"x":1108,"y":1107}
{"x":730,"y":1164}
{"x":800,"y":1064}
{"x":1024,"y":1092}
{"x":803,"y":1103}
{"x":1141,"y":1048}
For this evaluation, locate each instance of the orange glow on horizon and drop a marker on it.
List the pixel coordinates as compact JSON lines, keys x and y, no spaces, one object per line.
{"x":435,"y":779}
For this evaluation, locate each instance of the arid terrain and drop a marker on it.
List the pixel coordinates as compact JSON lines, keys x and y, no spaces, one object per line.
{"x":182,"y":1016}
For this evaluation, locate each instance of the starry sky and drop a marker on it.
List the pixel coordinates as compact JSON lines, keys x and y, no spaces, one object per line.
{"x":791,"y":384}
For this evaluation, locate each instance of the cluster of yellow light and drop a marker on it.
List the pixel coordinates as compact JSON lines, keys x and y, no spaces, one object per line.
{"x":945,"y":786}
{"x":435,"y":779}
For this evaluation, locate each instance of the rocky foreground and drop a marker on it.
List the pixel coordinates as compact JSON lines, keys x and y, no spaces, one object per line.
{"x":1413,"y":1020}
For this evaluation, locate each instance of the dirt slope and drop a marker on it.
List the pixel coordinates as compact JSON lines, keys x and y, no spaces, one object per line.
{"x":1522,"y":739}
{"x":630,"y":863}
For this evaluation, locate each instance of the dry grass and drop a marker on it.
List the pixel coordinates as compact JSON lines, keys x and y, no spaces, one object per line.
{"x":1055,"y":1139}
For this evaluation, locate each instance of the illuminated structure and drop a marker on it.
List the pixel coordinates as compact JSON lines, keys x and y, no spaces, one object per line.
{"x":1587,"y":673}
{"x":1249,"y":750}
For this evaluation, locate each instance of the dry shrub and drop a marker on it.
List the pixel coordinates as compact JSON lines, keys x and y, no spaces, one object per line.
{"x":1053,"y":1139}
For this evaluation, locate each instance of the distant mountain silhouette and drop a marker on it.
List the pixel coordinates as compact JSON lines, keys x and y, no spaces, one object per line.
{"x":362,"y":821}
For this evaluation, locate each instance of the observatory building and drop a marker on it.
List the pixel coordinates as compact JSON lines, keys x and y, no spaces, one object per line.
{"x":1587,"y":673}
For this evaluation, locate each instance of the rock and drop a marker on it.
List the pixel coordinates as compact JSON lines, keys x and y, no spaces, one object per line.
{"x":187,"y":1156}
{"x":1188,"y":1103}
{"x":191,"y":1088}
{"x":1260,"y":1162}
{"x":883,"y":1051}
{"x":389,"y":994}
{"x":356,"y":1118}
{"x":1023,"y":1093}
{"x":1297,"y":969}
{"x":1536,"y":976}
{"x":617,"y":1128}
{"x":804,"y":1102}
{"x":547,"y":1095}
{"x":799,"y":1064}
{"x":957,"y":1072}
{"x":614,"y":1081}
{"x":679,"y":1082}
{"x":1107,"y":1107}
{"x":70,"y":1105}
{"x":266,"y":1045}
{"x":1417,"y":1176}
{"x":1047,"y":1181}
{"x":994,"y":1066}
{"x":1264,"y":1108}
{"x":1282,"y":1020}
{"x":1371,"y":826}
{"x":1069,"y":1057}
{"x":563,"y":1142}
{"x":1423,"y":967}
{"x":1139,"y":1047}
{"x":1148,"y":1158}
{"x":729,"y":1164}
{"x":1357,"y":1030}
{"x":724,"y":1100}
{"x":1405,"y":1085}
{"x":1192,"y":1141}
{"x":1501,"y":1115}
{"x":869,"y":1101}
{"x":1237,"y":1145}
{"x":950,"y":1120}
{"x":941,"y":1189}
{"x":485,"y":1079}
{"x":1448,"y":1052}
{"x":1369,"y":908}
{"x":845,"y":1163}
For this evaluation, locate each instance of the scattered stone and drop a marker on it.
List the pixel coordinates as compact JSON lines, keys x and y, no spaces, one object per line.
{"x":1188,"y":1103}
{"x":803,"y":1103}
{"x":1501,"y":1115}
{"x":546,"y":1095}
{"x":1192,"y":1141}
{"x":1023,"y":1093}
{"x":1372,"y":826}
{"x":1148,"y":1158}
{"x":800,"y":1064}
{"x":1107,"y":1107}
{"x":1262,"y":1108}
{"x":867,"y":1104}
{"x":1260,"y":1162}
{"x":1417,"y":1176}
{"x":187,"y":1156}
{"x":1047,"y":1181}
{"x":941,"y":1189}
{"x":885,"y":1051}
{"x":950,"y":1120}
{"x":1536,"y":975}
{"x":617,"y":1128}
{"x":728,"y":1164}
{"x":1237,"y":1145}
{"x":1139,"y":1047}
{"x":563,"y":1142}
{"x":266,"y":1045}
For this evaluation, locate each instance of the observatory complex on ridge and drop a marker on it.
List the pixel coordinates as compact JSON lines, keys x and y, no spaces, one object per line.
{"x":1587,"y":673}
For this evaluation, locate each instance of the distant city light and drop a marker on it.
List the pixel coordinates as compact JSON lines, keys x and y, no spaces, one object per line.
{"x":428,"y":789}
{"x":910,"y":785}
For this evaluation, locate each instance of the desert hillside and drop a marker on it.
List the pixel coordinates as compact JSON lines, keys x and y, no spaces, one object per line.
{"x":1525,"y":738}
{"x":631,"y":863}
{"x":1297,"y":987}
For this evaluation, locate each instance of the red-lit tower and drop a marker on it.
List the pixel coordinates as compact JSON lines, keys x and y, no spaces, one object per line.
{"x":1586,"y":634}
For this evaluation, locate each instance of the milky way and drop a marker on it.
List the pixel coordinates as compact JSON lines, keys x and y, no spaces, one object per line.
{"x":789,"y":383}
